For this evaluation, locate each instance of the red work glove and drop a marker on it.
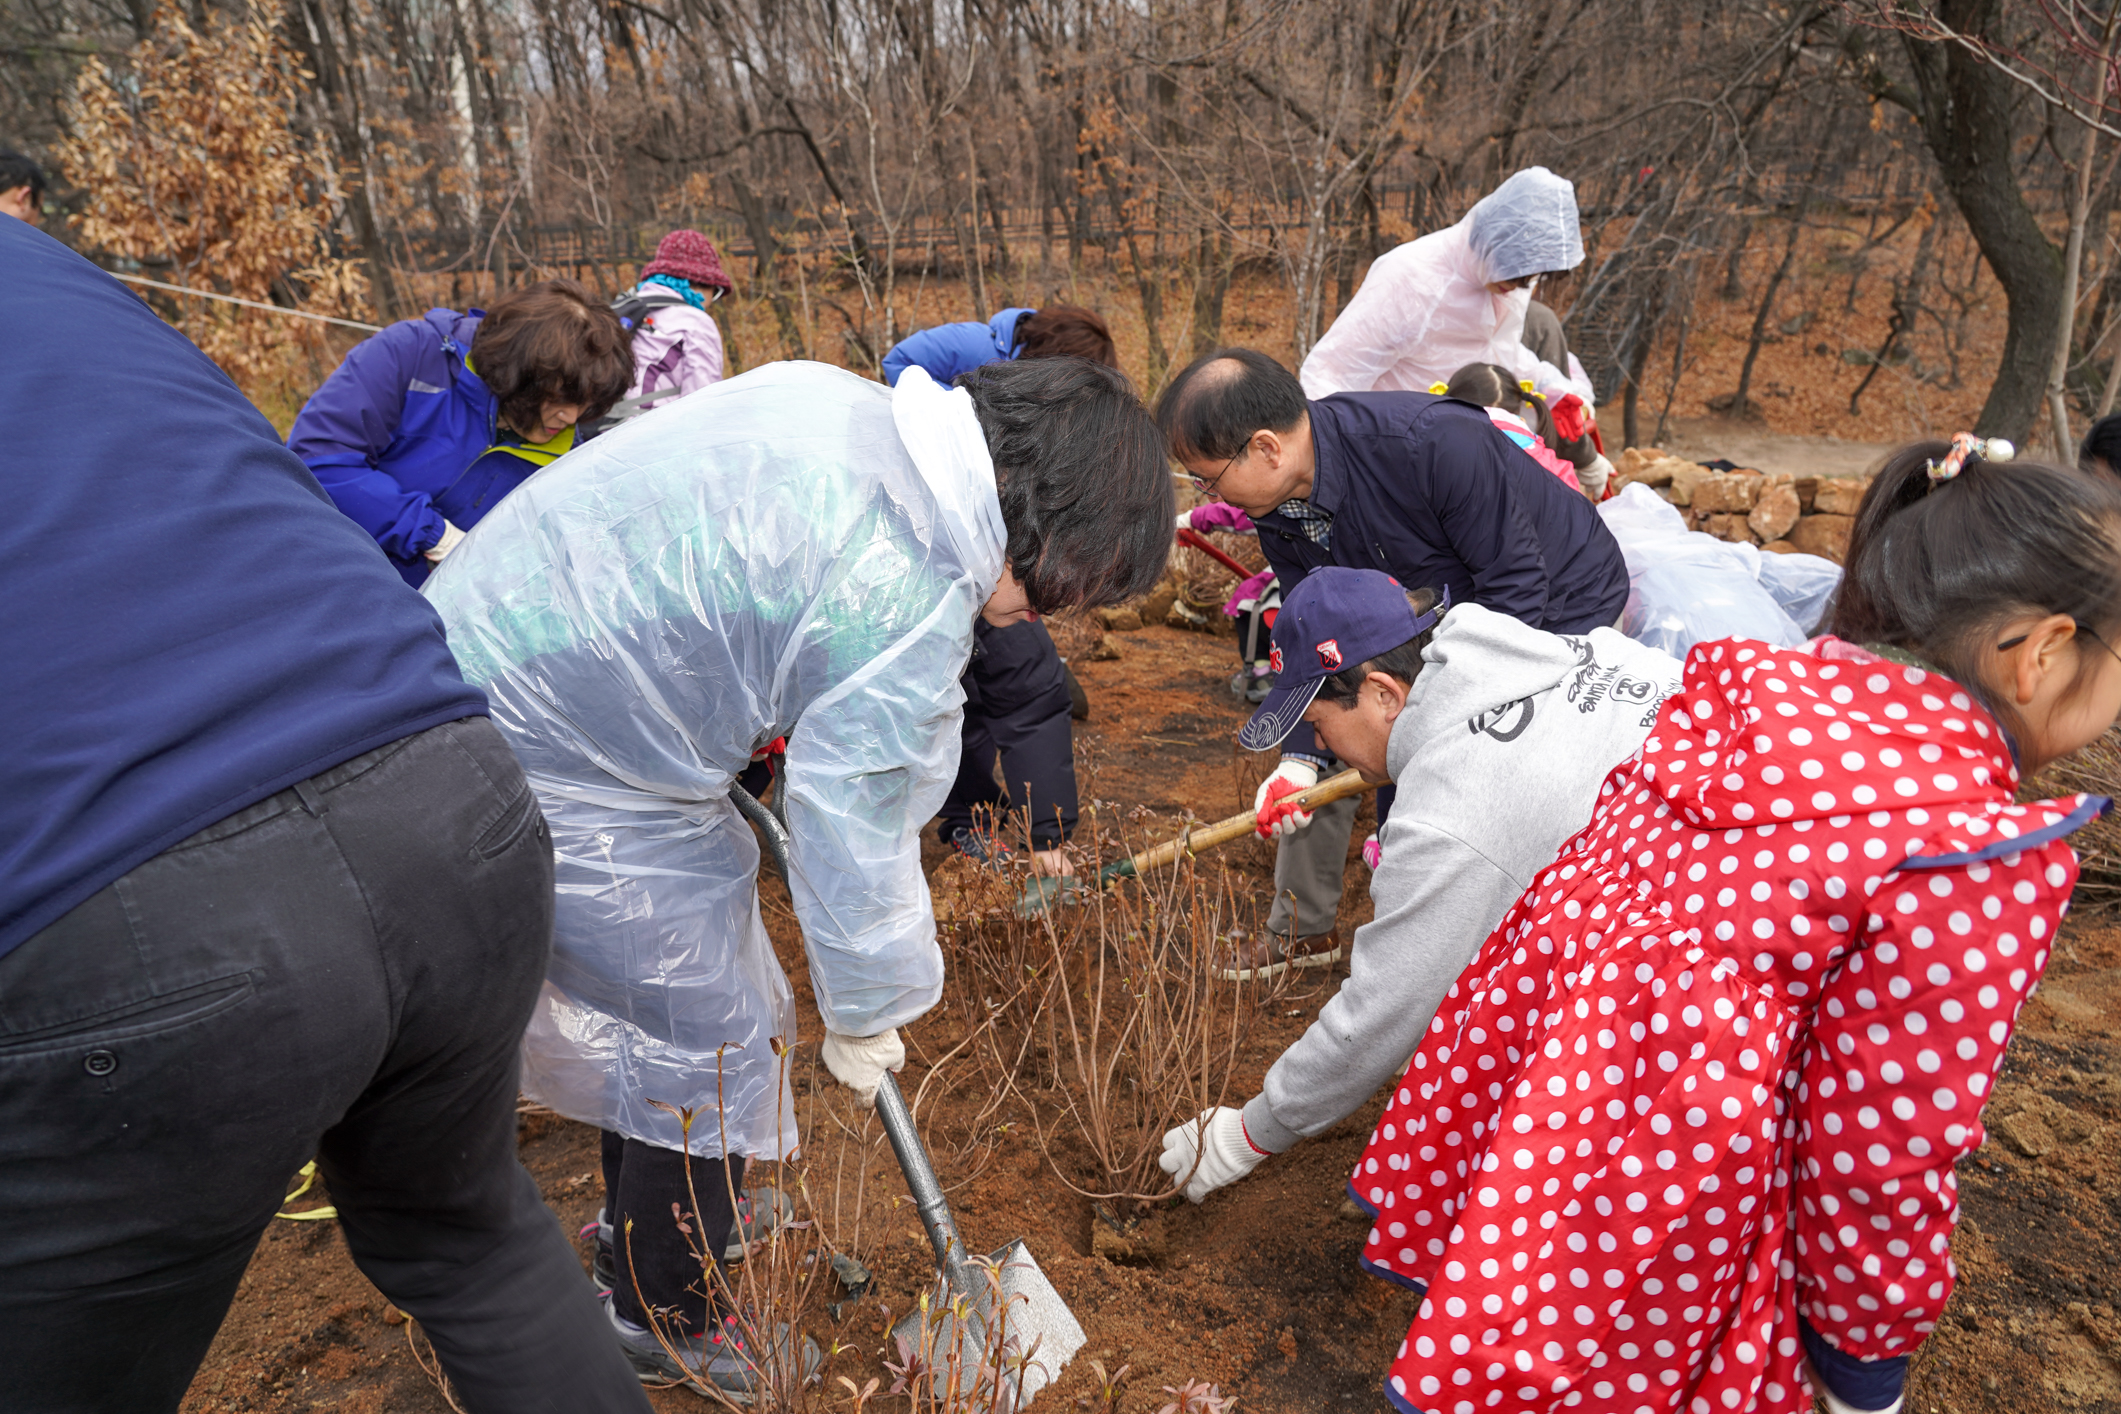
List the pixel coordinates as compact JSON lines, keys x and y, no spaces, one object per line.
{"x":1274,"y":814}
{"x":1568,"y":414}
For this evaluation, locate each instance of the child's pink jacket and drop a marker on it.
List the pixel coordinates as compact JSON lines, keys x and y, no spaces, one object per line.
{"x":1711,"y":1073}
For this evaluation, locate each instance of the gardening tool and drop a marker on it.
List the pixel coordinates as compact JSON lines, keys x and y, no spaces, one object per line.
{"x":1040,"y":894}
{"x":1033,"y":1334}
{"x":1194,"y":540}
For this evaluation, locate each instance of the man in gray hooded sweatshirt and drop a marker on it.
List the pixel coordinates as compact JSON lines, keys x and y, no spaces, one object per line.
{"x":1498,"y":736}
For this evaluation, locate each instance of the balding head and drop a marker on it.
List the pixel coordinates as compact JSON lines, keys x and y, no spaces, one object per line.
{"x":1213,"y":407}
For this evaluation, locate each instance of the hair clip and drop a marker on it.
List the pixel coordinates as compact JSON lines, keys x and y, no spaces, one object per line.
{"x":1967,"y":447}
{"x":1526,"y":384}
{"x":1439,"y":389}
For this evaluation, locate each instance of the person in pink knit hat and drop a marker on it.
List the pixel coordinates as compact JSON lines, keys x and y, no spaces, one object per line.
{"x":677,"y":347}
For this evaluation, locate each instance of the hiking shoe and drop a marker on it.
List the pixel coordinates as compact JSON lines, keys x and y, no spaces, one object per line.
{"x":603,"y":1265}
{"x":720,"y":1357}
{"x":1265,"y":956}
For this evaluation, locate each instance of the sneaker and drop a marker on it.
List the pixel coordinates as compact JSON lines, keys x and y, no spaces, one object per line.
{"x":760,"y":1212}
{"x":1266,"y":956}
{"x":1373,"y":853}
{"x":720,"y":1357}
{"x":603,"y":1265}
{"x":980,"y":846}
{"x":1252,"y":683}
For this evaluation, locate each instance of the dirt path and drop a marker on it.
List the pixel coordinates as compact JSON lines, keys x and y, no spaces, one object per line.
{"x":1751,"y":444}
{"x":1258,"y":1289}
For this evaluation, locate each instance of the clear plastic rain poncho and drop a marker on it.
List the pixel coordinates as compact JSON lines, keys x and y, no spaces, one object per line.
{"x":1685,"y":587}
{"x":796,"y":552}
{"x":1424,"y":310}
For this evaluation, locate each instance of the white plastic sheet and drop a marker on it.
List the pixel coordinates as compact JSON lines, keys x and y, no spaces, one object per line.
{"x":795,"y":552}
{"x":1424,"y":310}
{"x":1685,"y":587}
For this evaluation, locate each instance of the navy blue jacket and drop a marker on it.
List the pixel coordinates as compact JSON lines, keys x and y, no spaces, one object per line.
{"x":1426,"y":489}
{"x":189,"y":625}
{"x":947,"y":350}
{"x":403,"y":435}
{"x":1016,"y":711}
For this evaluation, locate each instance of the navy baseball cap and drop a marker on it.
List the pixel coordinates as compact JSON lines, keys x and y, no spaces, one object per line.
{"x":1335,"y":619}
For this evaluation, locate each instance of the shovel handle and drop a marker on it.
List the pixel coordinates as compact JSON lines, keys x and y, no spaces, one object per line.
{"x":1338,"y":787}
{"x":926,"y":1189}
{"x":899,"y":1128}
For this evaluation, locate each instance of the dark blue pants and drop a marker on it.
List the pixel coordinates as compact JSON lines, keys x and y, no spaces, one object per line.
{"x":340,"y":972}
{"x":1016,"y":715}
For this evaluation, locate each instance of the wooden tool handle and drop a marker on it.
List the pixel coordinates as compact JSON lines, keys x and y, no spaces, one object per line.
{"x":1340,"y":787}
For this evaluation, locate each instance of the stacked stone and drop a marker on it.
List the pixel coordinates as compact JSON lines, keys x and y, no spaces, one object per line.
{"x":1785,"y":514}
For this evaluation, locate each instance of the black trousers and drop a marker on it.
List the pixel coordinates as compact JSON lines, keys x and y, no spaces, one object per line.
{"x":341,"y":971}
{"x":1016,"y":713}
{"x":641,"y":1184}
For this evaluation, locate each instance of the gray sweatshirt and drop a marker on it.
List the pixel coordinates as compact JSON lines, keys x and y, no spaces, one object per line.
{"x":1507,"y":734}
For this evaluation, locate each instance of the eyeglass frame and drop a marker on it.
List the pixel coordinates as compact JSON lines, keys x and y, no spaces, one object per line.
{"x":1207,"y":487}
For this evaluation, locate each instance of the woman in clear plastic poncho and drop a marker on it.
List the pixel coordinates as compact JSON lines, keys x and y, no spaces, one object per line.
{"x":1457,"y":296}
{"x":799,"y":553}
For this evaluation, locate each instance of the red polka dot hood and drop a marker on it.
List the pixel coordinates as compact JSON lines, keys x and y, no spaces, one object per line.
{"x":1681,"y":1136}
{"x":1768,"y":737}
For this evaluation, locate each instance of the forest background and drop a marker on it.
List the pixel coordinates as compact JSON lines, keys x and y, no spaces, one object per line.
{"x":1868,"y":219}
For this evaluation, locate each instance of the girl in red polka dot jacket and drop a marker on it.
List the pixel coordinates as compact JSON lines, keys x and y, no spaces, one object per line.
{"x":1682,"y":1135}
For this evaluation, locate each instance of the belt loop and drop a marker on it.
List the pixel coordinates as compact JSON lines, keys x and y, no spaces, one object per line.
{"x":311,"y":801}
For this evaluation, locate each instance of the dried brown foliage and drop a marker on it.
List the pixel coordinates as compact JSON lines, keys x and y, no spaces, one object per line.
{"x":196,"y":176}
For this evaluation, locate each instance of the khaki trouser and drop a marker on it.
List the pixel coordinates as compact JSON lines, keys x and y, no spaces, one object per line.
{"x":1308,"y":868}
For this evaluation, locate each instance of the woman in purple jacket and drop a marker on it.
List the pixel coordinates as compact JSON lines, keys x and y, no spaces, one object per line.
{"x":428,"y":424}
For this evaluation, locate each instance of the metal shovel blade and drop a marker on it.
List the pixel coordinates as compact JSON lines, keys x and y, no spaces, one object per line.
{"x":1037,"y":1333}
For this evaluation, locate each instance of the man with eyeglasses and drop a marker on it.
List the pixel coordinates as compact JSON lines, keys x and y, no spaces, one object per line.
{"x":1421,"y":487}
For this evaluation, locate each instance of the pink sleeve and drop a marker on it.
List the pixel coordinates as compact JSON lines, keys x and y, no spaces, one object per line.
{"x":700,"y":359}
{"x":1219,"y":515}
{"x":1909,"y":1035}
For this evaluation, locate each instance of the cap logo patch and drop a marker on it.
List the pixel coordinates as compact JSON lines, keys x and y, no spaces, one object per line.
{"x":1329,"y":654}
{"x":1274,"y":658}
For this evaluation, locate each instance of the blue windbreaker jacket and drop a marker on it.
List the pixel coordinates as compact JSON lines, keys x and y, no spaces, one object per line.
{"x":950,"y":349}
{"x":403,"y":435}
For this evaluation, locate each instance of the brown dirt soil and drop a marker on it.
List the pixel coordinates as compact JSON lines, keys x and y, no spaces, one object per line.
{"x":1256,"y":1290}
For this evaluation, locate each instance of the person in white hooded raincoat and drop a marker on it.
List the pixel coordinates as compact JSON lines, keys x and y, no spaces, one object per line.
{"x":798,"y":553}
{"x":1429,"y":307}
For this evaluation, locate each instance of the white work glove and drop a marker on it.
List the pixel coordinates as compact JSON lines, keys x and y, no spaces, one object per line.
{"x":1226,"y":1157}
{"x":1289,"y":777}
{"x":859,"y":1062}
{"x":1185,"y":520}
{"x":451,"y":538}
{"x":1593,"y":477}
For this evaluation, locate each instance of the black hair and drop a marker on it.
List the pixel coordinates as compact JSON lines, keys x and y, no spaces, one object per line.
{"x":1938,"y":567}
{"x":17,"y":170}
{"x":1343,"y":688}
{"x":1490,"y":385}
{"x":1220,"y":399}
{"x":2101,"y":451}
{"x":1084,"y":483}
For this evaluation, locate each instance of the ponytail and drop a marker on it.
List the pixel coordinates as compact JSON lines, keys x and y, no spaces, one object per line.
{"x":1490,"y":385}
{"x":1949,"y":545}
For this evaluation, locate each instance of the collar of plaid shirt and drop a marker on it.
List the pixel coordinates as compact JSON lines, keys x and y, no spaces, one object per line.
{"x":1316,"y":524}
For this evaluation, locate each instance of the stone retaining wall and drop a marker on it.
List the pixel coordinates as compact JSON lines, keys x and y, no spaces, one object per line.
{"x":1774,"y":510}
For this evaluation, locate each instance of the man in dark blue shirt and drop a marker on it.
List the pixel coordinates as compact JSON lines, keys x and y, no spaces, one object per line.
{"x":1419,"y":486}
{"x":272,"y":888}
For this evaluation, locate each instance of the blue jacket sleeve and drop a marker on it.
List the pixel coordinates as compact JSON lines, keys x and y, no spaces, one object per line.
{"x":343,"y":429}
{"x":944,"y":351}
{"x":1481,"y":496}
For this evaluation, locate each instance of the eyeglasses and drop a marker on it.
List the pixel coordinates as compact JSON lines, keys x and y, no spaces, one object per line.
{"x":2009,"y":643}
{"x":1207,"y":486}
